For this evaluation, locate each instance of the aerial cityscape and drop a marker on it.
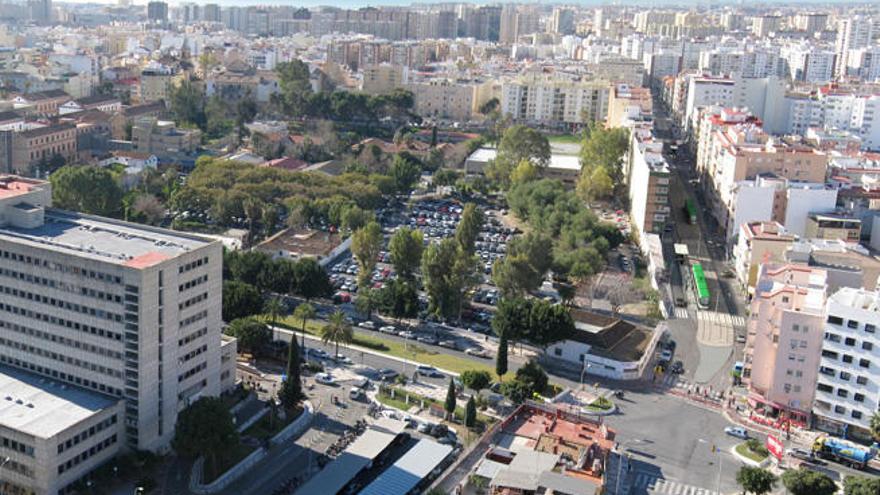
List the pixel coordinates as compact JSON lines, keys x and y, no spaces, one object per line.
{"x":395,"y":247}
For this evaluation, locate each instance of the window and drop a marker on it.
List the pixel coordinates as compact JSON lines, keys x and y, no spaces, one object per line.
{"x":835,"y":320}
{"x":869,"y":328}
{"x":839,"y":409}
{"x":864,"y":363}
{"x":845,"y":376}
{"x":856,"y":414}
{"x":849,"y":341}
{"x":867,"y":345}
{"x":852,"y":324}
{"x":832,"y":337}
{"x":842,"y":392}
{"x":557,"y":351}
{"x":825,"y":388}
{"x":859,"y":397}
{"x":829,"y":354}
{"x":847,"y":358}
{"x":862,"y":380}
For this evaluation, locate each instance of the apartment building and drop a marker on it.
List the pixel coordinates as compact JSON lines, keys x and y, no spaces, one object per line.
{"x":446,"y":99}
{"x":848,"y":388}
{"x":555,"y":100}
{"x":156,"y":83}
{"x":37,"y":145}
{"x":784,"y":341}
{"x":378,"y":79}
{"x":164,"y":139}
{"x":118,"y":326}
{"x":42,"y":103}
{"x":833,"y":226}
{"x":648,"y":182}
{"x":759,"y":242}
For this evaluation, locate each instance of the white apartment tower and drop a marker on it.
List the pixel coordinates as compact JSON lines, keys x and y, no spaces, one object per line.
{"x":114,"y":321}
{"x":848,"y":388}
{"x":852,"y":33}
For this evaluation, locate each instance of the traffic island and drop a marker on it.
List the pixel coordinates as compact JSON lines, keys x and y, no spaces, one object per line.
{"x":752,"y":453}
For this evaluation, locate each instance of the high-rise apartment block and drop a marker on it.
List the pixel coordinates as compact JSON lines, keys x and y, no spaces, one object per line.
{"x":110,"y":328}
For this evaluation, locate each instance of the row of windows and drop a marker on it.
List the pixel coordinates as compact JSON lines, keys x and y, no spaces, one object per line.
{"x":83,"y":435}
{"x":37,"y":351}
{"x":82,"y":456}
{"x":193,"y":336}
{"x":837,"y":320}
{"x":192,"y":265}
{"x":18,"y":468}
{"x":193,"y":353}
{"x":201,"y":315}
{"x":75,"y":270}
{"x":55,"y":284}
{"x":846,"y":358}
{"x":100,"y":332}
{"x":192,"y":371}
{"x":58,"y":303}
{"x":54,"y":373}
{"x":17,"y":446}
{"x":77,"y":344}
{"x":193,"y":300}
{"x":848,"y":341}
{"x":193,"y":283}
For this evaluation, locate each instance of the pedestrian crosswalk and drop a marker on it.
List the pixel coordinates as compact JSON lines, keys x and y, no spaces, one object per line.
{"x":681,"y":313}
{"x":724,"y":319}
{"x":650,"y":483}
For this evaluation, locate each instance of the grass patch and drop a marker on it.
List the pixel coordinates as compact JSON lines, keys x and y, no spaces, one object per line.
{"x":399,"y":402}
{"x":601,"y":404}
{"x":424,"y":355}
{"x":752,"y":449}
{"x":269,"y":426}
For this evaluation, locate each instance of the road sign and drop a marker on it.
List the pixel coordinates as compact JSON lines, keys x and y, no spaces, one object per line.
{"x":774,"y":445}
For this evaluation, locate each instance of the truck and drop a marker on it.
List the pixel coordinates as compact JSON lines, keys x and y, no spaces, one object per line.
{"x":690,"y":211}
{"x":844,"y":451}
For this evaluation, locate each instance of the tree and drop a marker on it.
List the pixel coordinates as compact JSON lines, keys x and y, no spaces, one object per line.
{"x":337,"y":331}
{"x":399,"y":299}
{"x":187,"y":103}
{"x":512,"y":318}
{"x":296,"y":88}
{"x":365,"y":246}
{"x":217,"y":123}
{"x":148,"y":209}
{"x":518,"y":143}
{"x":366,"y":302}
{"x":489,"y":106}
{"x":445,"y":177}
{"x":86,"y":189}
{"x":522,"y":270}
{"x":354,"y":218}
{"x":240,"y":300}
{"x":476,"y":379}
{"x":269,"y":220}
{"x":861,"y":485}
{"x":273,"y":308}
{"x":205,"y":428}
{"x":532,"y":375}
{"x":755,"y":480}
{"x":525,"y":171}
{"x":501,"y":357}
{"x":447,"y":272}
{"x":549,"y":323}
{"x":595,"y":185}
{"x":405,"y":248}
{"x":808,"y":482}
{"x":449,"y":404}
{"x":405,"y":173}
{"x":567,"y":293}
{"x":604,"y":148}
{"x":252,"y":334}
{"x":470,"y":413}
{"x":291,"y":389}
{"x":469,"y":226}
{"x":311,"y":279}
{"x":304,"y":312}
{"x":245,"y":111}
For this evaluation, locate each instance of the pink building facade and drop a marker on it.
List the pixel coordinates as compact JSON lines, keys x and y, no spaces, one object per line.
{"x":784,"y":342}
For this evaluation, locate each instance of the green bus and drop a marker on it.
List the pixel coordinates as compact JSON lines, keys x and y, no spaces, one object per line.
{"x":690,"y":210}
{"x":701,"y":290}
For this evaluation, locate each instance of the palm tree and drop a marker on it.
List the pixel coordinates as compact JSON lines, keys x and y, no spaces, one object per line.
{"x":337,"y":330}
{"x":875,"y":426}
{"x":273,"y":309}
{"x":304,"y":312}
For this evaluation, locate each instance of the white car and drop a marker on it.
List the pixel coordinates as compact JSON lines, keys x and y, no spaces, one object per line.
{"x":369,"y":325}
{"x":429,"y":371}
{"x":325,"y":378}
{"x":406,"y":334}
{"x":390,"y":330}
{"x":737,"y":431}
{"x":476,"y":352}
{"x":342,"y":359}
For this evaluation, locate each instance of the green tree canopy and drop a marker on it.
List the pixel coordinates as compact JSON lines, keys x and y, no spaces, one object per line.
{"x":365,"y":246}
{"x":533,"y":376}
{"x":187,"y":103}
{"x":86,"y":189}
{"x":205,"y":428}
{"x":861,"y":485}
{"x":447,"y":272}
{"x":755,"y":480}
{"x":406,"y":247}
{"x":524,"y":267}
{"x":240,"y":300}
{"x":405,"y":173}
{"x":399,"y":299}
{"x":604,"y":148}
{"x":337,"y":331}
{"x":252,"y":334}
{"x":291,"y":389}
{"x":296,"y":87}
{"x":476,"y":379}
{"x":470,"y":413}
{"x":469,"y":226}
{"x":311,"y":279}
{"x":449,"y":404}
{"x":808,"y":482}
{"x":501,"y":357}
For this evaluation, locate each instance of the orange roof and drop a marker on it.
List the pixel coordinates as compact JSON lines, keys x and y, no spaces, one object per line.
{"x":14,"y":188}
{"x":146,"y":260}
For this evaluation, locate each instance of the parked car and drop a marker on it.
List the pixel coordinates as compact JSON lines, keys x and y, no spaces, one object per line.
{"x":428,"y":339}
{"x":369,"y":325}
{"x":318,"y":353}
{"x":677,"y":368}
{"x":388,"y":374}
{"x":449,"y":344}
{"x":802,"y":454}
{"x":477,"y":352}
{"x":428,"y":371}
{"x":388,"y":329}
{"x":425,"y":427}
{"x":325,"y":378}
{"x":666,"y":355}
{"x":356,"y":393}
{"x":740,"y":339}
{"x":737,"y":431}
{"x":406,"y":334}
{"x":342,"y":359}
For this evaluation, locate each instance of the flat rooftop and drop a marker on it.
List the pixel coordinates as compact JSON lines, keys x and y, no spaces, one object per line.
{"x":42,"y":407}
{"x":105,"y":240}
